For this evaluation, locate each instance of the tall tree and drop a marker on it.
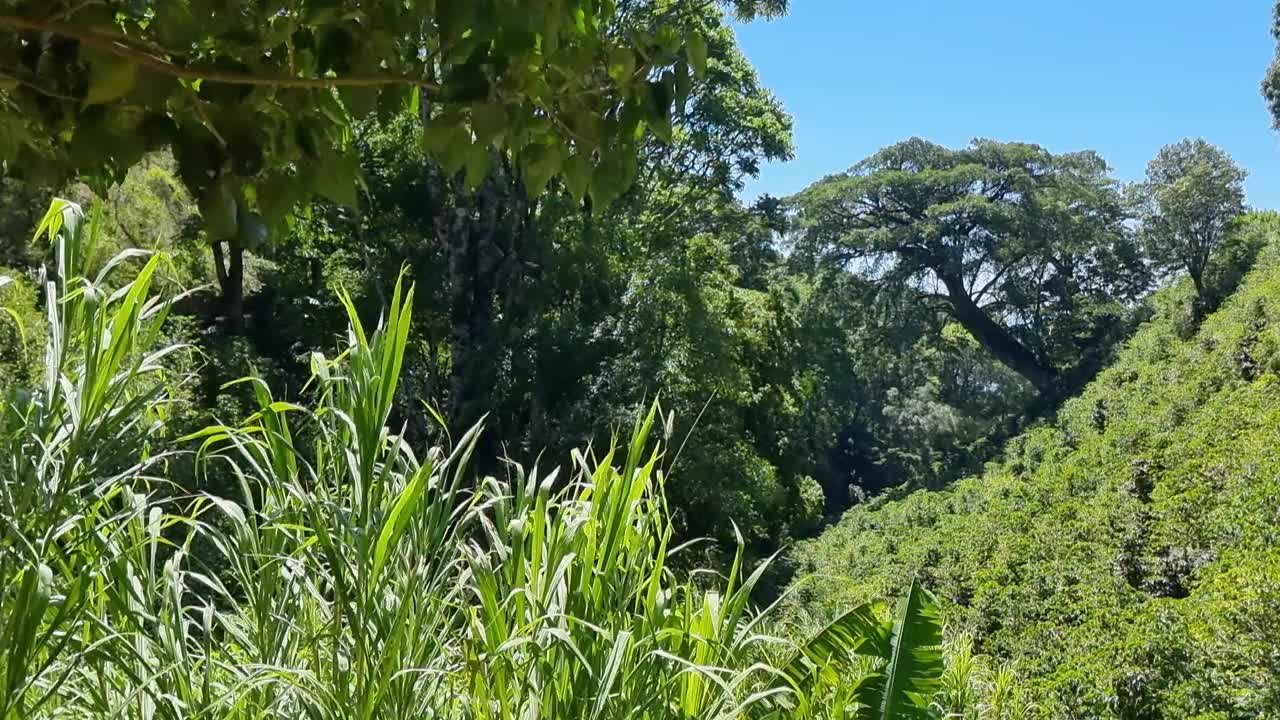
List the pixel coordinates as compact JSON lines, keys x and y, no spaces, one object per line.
{"x":1005,"y":237}
{"x":513,"y":289}
{"x":1195,"y":190}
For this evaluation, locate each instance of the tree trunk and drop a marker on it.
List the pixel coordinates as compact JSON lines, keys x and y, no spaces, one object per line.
{"x":468,"y":233}
{"x":997,"y":340}
{"x":231,"y":283}
{"x":1197,"y":279}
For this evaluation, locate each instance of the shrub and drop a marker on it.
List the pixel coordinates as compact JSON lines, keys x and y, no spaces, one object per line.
{"x":21,"y":331}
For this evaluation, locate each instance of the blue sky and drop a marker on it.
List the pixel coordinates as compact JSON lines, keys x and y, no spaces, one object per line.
{"x":1122,"y":77}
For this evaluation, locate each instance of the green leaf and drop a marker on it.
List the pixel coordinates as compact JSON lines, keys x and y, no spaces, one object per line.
{"x":444,"y":133}
{"x":477,"y":165}
{"x":661,"y":95}
{"x":32,"y":600}
{"x":413,"y":100}
{"x":360,"y":100}
{"x":695,"y":48}
{"x":540,"y":163}
{"x":622,"y":64}
{"x":488,"y":120}
{"x":577,"y":175}
{"x":831,"y":650}
{"x":402,"y":511}
{"x":913,"y":671}
{"x":276,"y":196}
{"x":218,"y":209}
{"x":614,"y":175}
{"x":338,"y":177}
{"x":110,"y":78}
{"x":453,"y":156}
{"x":683,"y":84}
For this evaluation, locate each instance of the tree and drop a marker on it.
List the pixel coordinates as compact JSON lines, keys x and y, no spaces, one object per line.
{"x":1195,"y":191}
{"x":1271,"y":80}
{"x":257,"y":98}
{"x":556,"y":316}
{"x":1007,"y":238}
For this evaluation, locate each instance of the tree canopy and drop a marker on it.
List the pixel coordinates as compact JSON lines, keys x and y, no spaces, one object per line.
{"x":257,"y":98}
{"x":1008,"y":238}
{"x":1195,"y":192}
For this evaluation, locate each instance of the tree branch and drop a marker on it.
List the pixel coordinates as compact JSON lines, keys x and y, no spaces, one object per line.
{"x":6,"y":74}
{"x":114,"y":44}
{"x":74,"y":9}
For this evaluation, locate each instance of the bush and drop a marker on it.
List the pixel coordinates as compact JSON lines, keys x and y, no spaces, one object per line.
{"x":22,"y":329}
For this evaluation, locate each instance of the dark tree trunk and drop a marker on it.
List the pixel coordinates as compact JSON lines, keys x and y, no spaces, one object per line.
{"x":997,"y":340}
{"x":230,"y":282}
{"x":1197,"y":279}
{"x":468,"y":233}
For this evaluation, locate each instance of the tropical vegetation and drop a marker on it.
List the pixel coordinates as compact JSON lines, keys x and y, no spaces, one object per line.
{"x":392,"y":360}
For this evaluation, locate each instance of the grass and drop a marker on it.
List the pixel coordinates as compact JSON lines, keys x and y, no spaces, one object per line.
{"x":353,"y":577}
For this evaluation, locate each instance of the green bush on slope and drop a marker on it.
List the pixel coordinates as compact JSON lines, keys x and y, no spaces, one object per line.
{"x":21,"y":330}
{"x":1125,"y":558}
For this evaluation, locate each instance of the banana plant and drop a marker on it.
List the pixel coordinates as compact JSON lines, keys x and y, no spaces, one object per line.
{"x":863,"y":667}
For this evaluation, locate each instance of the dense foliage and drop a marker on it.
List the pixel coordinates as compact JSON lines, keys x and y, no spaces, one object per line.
{"x":352,"y":576}
{"x":795,"y":389}
{"x":1027,"y":250}
{"x":422,"y":359}
{"x":1195,"y":191}
{"x":1124,"y":556}
{"x":256,"y":100}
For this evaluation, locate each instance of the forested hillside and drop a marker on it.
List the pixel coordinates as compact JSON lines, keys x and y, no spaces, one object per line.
{"x":1125,"y":555}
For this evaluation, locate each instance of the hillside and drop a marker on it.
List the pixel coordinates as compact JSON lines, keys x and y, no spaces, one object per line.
{"x":1125,"y":557}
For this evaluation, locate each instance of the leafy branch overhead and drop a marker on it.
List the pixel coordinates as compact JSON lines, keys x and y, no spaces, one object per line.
{"x":257,"y":97}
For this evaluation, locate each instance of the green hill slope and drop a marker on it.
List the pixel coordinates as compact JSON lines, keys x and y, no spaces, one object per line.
{"x":1126,"y":558}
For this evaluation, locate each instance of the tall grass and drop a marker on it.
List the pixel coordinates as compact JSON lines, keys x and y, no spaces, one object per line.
{"x":354,"y":576}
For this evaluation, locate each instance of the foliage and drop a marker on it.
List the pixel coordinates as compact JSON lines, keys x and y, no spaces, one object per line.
{"x":558,"y":323}
{"x":1196,"y":191}
{"x":257,"y":101}
{"x":21,"y":331}
{"x":1119,"y":557}
{"x":265,"y":93}
{"x":1026,"y":249}
{"x":1271,"y":79}
{"x":905,"y":665}
{"x":355,"y":576}
{"x":75,"y":454}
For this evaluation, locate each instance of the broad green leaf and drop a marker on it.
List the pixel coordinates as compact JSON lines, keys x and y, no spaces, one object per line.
{"x":622,"y":64}
{"x":577,"y":175}
{"x":477,"y":165}
{"x":218,"y":209}
{"x":360,"y":100}
{"x":540,"y":163}
{"x":110,"y":78}
{"x":695,"y":46}
{"x":488,"y":121}
{"x":338,"y":178}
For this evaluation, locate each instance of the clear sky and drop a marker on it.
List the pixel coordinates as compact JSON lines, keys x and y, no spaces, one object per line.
{"x":1122,"y":77}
